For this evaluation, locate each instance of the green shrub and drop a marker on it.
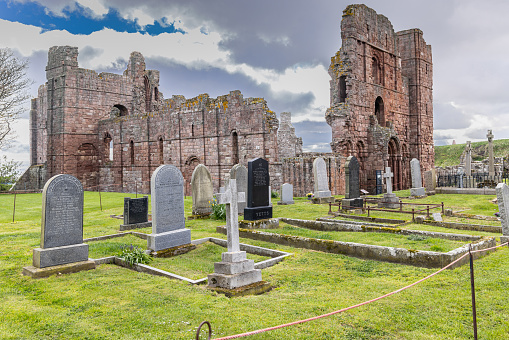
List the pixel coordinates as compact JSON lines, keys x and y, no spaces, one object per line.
{"x":274,"y":194}
{"x":132,"y":255}
{"x":218,"y":210}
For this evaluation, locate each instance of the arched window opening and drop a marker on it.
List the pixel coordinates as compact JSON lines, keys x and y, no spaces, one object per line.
{"x":235,"y":147}
{"x":122,"y":110}
{"x":108,"y":146}
{"x":342,"y":89}
{"x":148,"y":94}
{"x":379,"y":111}
{"x":192,"y":130}
{"x":161,"y":150}
{"x":156,"y":94}
{"x":131,"y":150}
{"x":375,"y":70}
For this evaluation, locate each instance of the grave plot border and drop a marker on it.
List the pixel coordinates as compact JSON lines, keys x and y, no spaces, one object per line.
{"x":276,"y":256}
{"x":412,"y":257}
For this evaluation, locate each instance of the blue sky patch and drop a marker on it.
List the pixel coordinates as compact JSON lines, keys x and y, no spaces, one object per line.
{"x":78,"y":21}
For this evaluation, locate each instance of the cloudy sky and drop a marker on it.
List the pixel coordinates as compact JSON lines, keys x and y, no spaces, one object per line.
{"x":276,"y":49}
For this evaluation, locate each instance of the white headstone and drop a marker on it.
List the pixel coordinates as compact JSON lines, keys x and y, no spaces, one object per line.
{"x":239,"y":173}
{"x":415,"y":169}
{"x":230,"y":198}
{"x":437,"y":217}
{"x":168,"y":220}
{"x":388,"y":175}
{"x":286,"y":194}
{"x":201,"y":185}
{"x":320,"y":177}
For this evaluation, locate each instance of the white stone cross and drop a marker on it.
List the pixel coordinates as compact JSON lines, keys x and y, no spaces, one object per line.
{"x":231,"y":198}
{"x":388,"y":179}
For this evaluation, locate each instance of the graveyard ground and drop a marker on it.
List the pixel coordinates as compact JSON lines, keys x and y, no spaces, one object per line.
{"x":112,"y":302}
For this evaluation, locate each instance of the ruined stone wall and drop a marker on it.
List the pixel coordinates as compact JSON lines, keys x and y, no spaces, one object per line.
{"x":298,"y":171}
{"x":288,"y":143}
{"x":38,"y":132}
{"x":370,"y":100}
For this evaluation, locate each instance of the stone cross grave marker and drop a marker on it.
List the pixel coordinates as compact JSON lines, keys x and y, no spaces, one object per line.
{"x":460,"y":174}
{"x":234,"y":270}
{"x":491,"y":160}
{"x":388,"y":175}
{"x":503,"y":206}
{"x":320,"y":176}
{"x":62,"y":223}
{"x":239,"y":173}
{"x":352,"y":185}
{"x":286,"y":194}
{"x":201,"y":186}
{"x":415,"y":169}
{"x":258,"y":204}
{"x":230,"y":198}
{"x":168,"y":220}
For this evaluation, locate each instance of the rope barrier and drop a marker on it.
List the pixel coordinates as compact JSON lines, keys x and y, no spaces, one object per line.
{"x":357,"y":305}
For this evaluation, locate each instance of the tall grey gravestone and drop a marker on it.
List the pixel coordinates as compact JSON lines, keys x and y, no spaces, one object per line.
{"x":62,"y":223}
{"x":352,"y":185}
{"x":258,"y":180}
{"x":468,"y":158}
{"x":168,"y":220}
{"x":239,"y":173}
{"x":201,"y":185}
{"x":320,"y":177}
{"x":415,"y":170}
{"x":503,"y":207}
{"x":235,"y":270}
{"x":286,"y":194}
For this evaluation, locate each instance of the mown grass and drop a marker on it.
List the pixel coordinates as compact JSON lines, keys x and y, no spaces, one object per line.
{"x":447,"y":155}
{"x":112,"y":302}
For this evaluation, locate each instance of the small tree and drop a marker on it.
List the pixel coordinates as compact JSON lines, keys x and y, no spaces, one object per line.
{"x":9,"y":173}
{"x":14,"y":86}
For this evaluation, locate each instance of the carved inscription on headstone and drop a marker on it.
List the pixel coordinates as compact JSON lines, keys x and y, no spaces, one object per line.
{"x":258,"y":191}
{"x":62,"y":212}
{"x":168,"y":200}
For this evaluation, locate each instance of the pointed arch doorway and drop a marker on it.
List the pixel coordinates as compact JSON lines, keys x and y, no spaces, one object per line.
{"x":394,"y":162}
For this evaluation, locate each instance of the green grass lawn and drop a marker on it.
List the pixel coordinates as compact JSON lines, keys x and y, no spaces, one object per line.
{"x":112,"y":302}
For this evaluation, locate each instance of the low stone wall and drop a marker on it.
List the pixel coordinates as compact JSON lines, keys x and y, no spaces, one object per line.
{"x":465,"y":226}
{"x":370,"y":219}
{"x":333,"y":225}
{"x":428,"y":259}
{"x":465,"y":191}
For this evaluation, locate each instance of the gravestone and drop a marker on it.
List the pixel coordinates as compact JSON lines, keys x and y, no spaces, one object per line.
{"x":437,"y":217}
{"x":258,"y":180}
{"x":61,"y":228}
{"x":201,"y":186}
{"x":352,"y":185}
{"x":239,"y":173}
{"x":322,"y":193}
{"x":415,"y":169}
{"x":460,"y":174}
{"x":286,"y":194}
{"x":491,"y":160}
{"x":390,"y":200}
{"x":430,"y":181}
{"x":135,"y":213}
{"x":468,"y":158}
{"x":503,"y":207}
{"x":235,"y":270}
{"x":168,"y":220}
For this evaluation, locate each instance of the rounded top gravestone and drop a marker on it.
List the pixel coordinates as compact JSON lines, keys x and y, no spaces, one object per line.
{"x":62,"y":212}
{"x":201,"y":184}
{"x":167,"y":188}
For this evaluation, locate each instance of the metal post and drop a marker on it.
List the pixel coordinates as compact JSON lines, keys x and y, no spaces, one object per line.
{"x":368,"y":210}
{"x":442,"y":207}
{"x":199,"y":330}
{"x":413,"y":215}
{"x":427,"y":211}
{"x":330,"y":208}
{"x":14,"y":207}
{"x":400,"y":205}
{"x":100,"y":201}
{"x":474,"y":313}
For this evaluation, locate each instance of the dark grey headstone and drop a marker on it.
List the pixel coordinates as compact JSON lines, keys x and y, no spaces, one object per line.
{"x":135,"y":210}
{"x":352,"y":186}
{"x":258,"y":182}
{"x":62,"y":212}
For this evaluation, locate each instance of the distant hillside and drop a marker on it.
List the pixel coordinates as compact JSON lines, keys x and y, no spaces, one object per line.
{"x":450,"y":154}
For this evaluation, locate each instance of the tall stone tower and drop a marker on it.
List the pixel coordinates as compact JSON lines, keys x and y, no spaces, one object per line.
{"x":381,"y":104}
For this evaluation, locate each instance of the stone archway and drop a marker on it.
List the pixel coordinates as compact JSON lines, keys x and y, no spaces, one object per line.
{"x":394,"y":162}
{"x":379,"y":111}
{"x":191,"y":163}
{"x":86,"y":166}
